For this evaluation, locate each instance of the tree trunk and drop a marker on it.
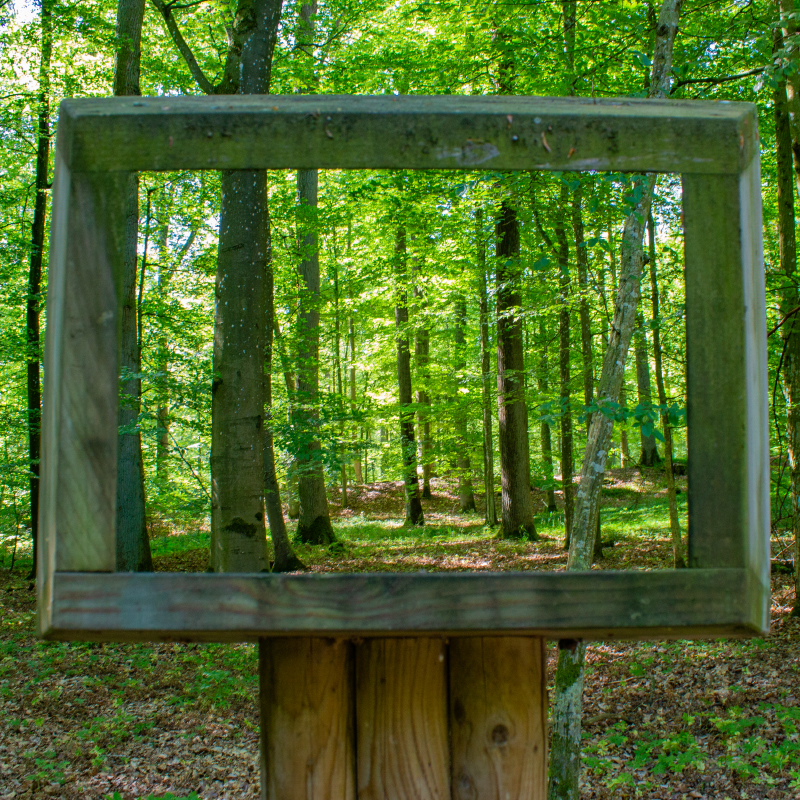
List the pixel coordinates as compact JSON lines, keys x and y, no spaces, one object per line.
{"x":351,"y":331}
{"x":422,"y":353}
{"x":466,"y":497}
{"x":34,"y":386}
{"x":162,"y":348}
{"x":133,"y":546}
{"x":581,"y":259}
{"x":790,"y":297}
{"x":567,"y":467}
{"x":678,"y":549}
{"x":543,"y":383}
{"x":238,"y":532}
{"x":486,"y":372}
{"x":337,"y":368}
{"x":787,"y":124}
{"x":515,"y":465}
{"x":408,"y":446}
{"x":314,"y":525}
{"x":565,"y":755}
{"x":649,"y":454}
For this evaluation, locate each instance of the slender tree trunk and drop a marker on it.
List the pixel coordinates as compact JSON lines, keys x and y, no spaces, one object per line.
{"x":133,"y":545}
{"x":564,"y":771}
{"x":543,"y":383}
{"x":238,"y":531}
{"x":337,"y":368}
{"x":34,"y":388}
{"x":422,"y":352}
{"x":567,"y":467}
{"x":351,"y":332}
{"x":162,"y":347}
{"x":790,"y":332}
{"x":314,"y":525}
{"x":408,"y":446}
{"x":486,"y":373}
{"x":790,"y":298}
{"x":649,"y":454}
{"x":581,"y":259}
{"x":466,"y":497}
{"x":678,"y":549}
{"x":285,"y":558}
{"x":515,"y":465}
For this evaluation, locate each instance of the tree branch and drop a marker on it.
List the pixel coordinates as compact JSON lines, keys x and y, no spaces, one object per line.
{"x":188,"y":56}
{"x":714,"y":81}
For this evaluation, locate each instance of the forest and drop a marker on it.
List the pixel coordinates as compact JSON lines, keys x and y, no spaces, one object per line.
{"x":434,"y":358}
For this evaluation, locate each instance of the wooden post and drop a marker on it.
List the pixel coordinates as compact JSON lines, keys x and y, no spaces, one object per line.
{"x":401,"y":719}
{"x":79,"y":425}
{"x":306,"y":702}
{"x":726,"y":373}
{"x":498,"y":718}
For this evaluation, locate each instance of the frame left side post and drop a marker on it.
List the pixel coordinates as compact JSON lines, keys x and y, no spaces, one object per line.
{"x":79,"y":424}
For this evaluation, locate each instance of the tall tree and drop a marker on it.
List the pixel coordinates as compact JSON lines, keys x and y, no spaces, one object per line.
{"x":512,"y":410}
{"x":422,"y":358}
{"x":649,"y":454}
{"x":466,"y":497}
{"x":408,"y":447}
{"x":786,"y":101}
{"x":564,"y":383}
{"x":238,"y":533}
{"x":786,"y":144}
{"x":314,"y":525}
{"x":564,"y":770}
{"x":133,"y":545}
{"x":678,"y":549}
{"x":486,"y":373}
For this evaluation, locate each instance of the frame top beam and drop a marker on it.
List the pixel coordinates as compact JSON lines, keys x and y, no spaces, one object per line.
{"x":406,"y":132}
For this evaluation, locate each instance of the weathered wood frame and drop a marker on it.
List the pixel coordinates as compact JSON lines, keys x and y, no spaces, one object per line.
{"x":713,"y":145}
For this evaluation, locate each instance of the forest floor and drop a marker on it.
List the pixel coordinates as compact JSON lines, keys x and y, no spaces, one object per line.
{"x":708,"y":719}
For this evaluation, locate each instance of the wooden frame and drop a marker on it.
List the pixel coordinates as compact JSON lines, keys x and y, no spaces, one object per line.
{"x":713,"y":145}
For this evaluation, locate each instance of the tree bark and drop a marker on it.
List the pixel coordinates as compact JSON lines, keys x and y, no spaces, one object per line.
{"x":422,"y":354}
{"x":285,"y":559}
{"x":649,"y":453}
{"x":133,"y":545}
{"x":486,"y":372}
{"x":238,"y":391}
{"x":515,"y":465}
{"x":351,"y":332}
{"x":790,"y":297}
{"x":543,"y":383}
{"x":567,"y":467}
{"x":678,"y":549}
{"x":314,"y":525}
{"x":33,"y":303}
{"x":466,"y":497}
{"x":565,"y":756}
{"x":414,"y":515}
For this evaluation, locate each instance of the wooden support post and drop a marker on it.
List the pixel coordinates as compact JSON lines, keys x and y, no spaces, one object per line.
{"x":498,"y":718}
{"x":726,"y":375}
{"x":79,"y":425}
{"x":401,"y":719}
{"x":306,"y":719}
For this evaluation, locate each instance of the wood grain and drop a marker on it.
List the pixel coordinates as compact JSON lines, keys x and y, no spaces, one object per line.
{"x":225,"y":607}
{"x":411,"y":132}
{"x":726,"y":373}
{"x":306,"y":701}
{"x":79,"y":426}
{"x":401,"y":719}
{"x":498,"y":718}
